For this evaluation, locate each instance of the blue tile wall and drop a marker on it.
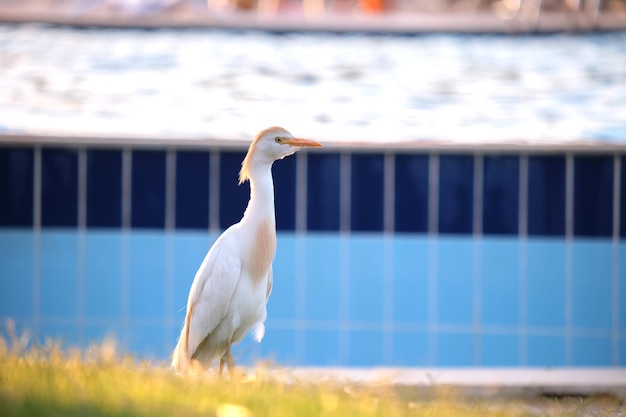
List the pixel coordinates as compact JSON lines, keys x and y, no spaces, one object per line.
{"x":284,"y":302}
{"x":621,"y":313}
{"x":59,"y":187}
{"x":622,"y":197}
{"x":148,"y":190}
{"x":59,"y":274}
{"x":500,"y":282}
{"x":455,"y":307}
{"x":322,"y":278}
{"x":146,"y":291}
{"x":358,"y":296}
{"x":411,"y":193}
{"x":192,"y":189}
{"x":188,"y":253}
{"x":593,"y":196}
{"x":500,"y":350}
{"x":233,"y":198}
{"x":546,"y":350}
{"x":367,"y":277}
{"x":323,"y":192}
{"x":284,"y":173}
{"x":367,"y":192}
{"x":16,"y":187}
{"x":103,"y":275}
{"x":592,"y":297}
{"x":500,"y":195}
{"x":456,"y":194}
{"x":545,"y":283}
{"x":546,"y":195}
{"x":278,"y":346}
{"x":592,"y":351}
{"x":410,"y":271}
{"x":322,"y":347}
{"x":455,"y":349}
{"x":16,"y":273}
{"x":410,"y":348}
{"x":104,"y":188}
{"x":366,"y":348}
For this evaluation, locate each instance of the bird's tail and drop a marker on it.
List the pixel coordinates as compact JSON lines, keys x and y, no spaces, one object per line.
{"x":180,"y":357}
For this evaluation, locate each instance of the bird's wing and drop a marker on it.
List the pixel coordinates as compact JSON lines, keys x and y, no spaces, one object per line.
{"x":269,"y":284}
{"x":211,"y":293}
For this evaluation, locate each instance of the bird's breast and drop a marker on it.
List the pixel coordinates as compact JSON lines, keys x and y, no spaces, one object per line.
{"x":262,"y":250}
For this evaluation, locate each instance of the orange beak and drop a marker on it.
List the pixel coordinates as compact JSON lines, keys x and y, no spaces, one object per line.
{"x":302,"y":142}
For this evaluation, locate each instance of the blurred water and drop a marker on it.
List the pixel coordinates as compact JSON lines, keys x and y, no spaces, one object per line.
{"x":225,"y":84}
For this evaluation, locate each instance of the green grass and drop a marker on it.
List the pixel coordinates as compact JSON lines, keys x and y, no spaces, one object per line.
{"x":48,"y":381}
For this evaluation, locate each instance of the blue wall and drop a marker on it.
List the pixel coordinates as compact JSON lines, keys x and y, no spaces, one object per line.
{"x":403,"y":259}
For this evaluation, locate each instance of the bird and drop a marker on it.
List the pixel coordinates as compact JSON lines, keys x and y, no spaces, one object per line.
{"x":230,"y":290}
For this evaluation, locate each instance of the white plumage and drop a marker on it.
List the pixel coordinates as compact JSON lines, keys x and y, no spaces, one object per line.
{"x":229,"y":293}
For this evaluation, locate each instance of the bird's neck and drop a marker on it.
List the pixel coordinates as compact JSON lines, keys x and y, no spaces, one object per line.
{"x":261,"y":205}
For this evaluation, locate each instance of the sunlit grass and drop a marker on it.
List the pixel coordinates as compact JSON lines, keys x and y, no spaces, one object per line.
{"x":48,"y":381}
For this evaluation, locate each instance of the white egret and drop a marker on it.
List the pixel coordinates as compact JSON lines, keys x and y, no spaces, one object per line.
{"x":229,"y":292}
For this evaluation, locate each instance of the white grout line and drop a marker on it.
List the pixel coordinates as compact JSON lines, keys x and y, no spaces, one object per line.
{"x":214,"y":191}
{"x":127,"y":163}
{"x":36,"y":300}
{"x":388,"y":278}
{"x":82,"y":189}
{"x":569,"y":272}
{"x":345,"y":192}
{"x":82,"y":241}
{"x":170,"y":224}
{"x":301,"y":256}
{"x":345,"y":178}
{"x":170,"y":190}
{"x":477,"y":219}
{"x":127,"y":168}
{"x":617,"y":177}
{"x":523,"y":259}
{"x":433,"y":194}
{"x":433,"y":273}
{"x":301,"y":192}
{"x":389,"y":193}
{"x":477,"y":271}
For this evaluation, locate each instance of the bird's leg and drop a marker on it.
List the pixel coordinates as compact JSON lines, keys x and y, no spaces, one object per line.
{"x":227,"y":358}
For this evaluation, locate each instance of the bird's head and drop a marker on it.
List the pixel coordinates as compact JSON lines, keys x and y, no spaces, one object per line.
{"x":270,"y":145}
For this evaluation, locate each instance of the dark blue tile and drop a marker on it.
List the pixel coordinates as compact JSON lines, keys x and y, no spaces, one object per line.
{"x":456,"y":194}
{"x":104,"y":188}
{"x":233,"y":198}
{"x":367,"y":188}
{"x":16,"y":186}
{"x":593,"y":196}
{"x":323,"y":192}
{"x":546,"y":195}
{"x":284,"y":172}
{"x":59,"y":187}
{"x":501,"y":195}
{"x":411,"y":193}
{"x":192,"y":190}
{"x":148,"y":189}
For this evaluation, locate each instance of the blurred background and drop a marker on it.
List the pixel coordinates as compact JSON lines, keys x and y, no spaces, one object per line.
{"x":467,"y":208}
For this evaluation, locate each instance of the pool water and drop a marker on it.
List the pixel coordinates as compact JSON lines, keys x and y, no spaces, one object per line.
{"x":230,"y":84}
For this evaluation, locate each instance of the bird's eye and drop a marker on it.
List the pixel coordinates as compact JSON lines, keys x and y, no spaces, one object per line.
{"x":278,"y":139}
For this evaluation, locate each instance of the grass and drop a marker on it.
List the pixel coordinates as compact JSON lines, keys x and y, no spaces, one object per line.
{"x":48,"y":381}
